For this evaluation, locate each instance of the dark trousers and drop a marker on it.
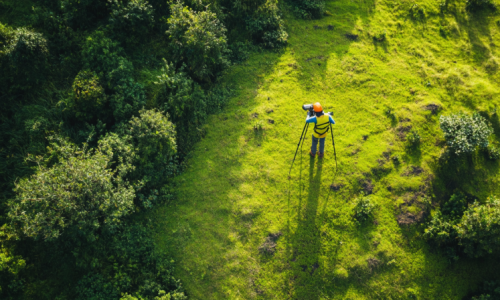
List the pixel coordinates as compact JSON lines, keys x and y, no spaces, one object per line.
{"x":315,"y":145}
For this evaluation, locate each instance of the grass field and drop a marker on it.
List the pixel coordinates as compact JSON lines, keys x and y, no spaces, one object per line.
{"x":236,"y":196}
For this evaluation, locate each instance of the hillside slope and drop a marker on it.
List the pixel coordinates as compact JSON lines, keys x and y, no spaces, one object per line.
{"x":235,"y":195}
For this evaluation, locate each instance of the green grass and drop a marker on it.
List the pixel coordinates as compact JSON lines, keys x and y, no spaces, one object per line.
{"x":236,"y":191}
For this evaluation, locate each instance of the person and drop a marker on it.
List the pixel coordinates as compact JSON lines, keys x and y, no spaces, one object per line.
{"x":322,"y":123}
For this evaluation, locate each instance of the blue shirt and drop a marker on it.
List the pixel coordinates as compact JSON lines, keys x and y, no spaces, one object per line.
{"x":313,"y":119}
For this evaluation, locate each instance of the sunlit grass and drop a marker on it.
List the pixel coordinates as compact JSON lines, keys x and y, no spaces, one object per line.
{"x":236,"y":191}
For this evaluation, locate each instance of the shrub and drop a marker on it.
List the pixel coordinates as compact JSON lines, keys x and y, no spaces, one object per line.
{"x":131,"y":21}
{"x":84,"y":14}
{"x":95,"y":287}
{"x":153,"y":135}
{"x":492,"y":152}
{"x":417,"y":12}
{"x":479,"y":229}
{"x":88,"y":99}
{"x":79,"y":192}
{"x":198,"y":40}
{"x":308,"y":9}
{"x":134,"y":267}
{"x":102,"y":55}
{"x":26,"y":55}
{"x":440,"y":230}
{"x":489,"y":290}
{"x":475,"y":5}
{"x":266,"y":27}
{"x":464,"y":133}
{"x":363,"y":209}
{"x":413,"y":139}
{"x":455,"y":207}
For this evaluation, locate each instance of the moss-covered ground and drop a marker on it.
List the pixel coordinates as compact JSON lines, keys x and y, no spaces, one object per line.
{"x":236,"y":191}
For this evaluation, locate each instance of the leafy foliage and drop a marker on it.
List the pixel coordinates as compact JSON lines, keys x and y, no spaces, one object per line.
{"x":80,"y":191}
{"x":88,"y":100}
{"x":198,"y":40}
{"x":131,"y":20}
{"x":479,"y":230}
{"x":309,"y":9}
{"x":413,"y":139}
{"x":464,"y":133}
{"x":492,"y":152}
{"x":476,"y":230}
{"x":133,"y":268}
{"x":266,"y":27}
{"x":84,"y":14}
{"x":26,"y":56}
{"x":153,"y":135}
{"x":490,"y":290}
{"x":106,"y":57}
{"x":474,"y":5}
{"x":363,"y":209}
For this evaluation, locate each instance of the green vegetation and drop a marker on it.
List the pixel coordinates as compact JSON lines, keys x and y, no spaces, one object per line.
{"x":144,"y":147}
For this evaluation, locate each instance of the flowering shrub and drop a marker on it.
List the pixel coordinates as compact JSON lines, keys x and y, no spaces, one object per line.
{"x":464,"y":133}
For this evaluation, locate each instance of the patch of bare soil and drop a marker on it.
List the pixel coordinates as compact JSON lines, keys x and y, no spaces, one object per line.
{"x":269,"y":245}
{"x":434,"y":108}
{"x":366,"y":185}
{"x":413,"y":171}
{"x":373,"y":263}
{"x":336,"y":186}
{"x":401,"y":131}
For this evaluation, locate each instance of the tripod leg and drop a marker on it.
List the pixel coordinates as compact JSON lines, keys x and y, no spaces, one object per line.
{"x":298,"y":145}
{"x":333,"y":143}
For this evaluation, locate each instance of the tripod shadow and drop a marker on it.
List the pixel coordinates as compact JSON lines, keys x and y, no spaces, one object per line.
{"x":305,"y":241}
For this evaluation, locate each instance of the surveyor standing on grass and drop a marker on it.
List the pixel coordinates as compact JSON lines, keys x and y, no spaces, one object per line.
{"x":322,"y":126}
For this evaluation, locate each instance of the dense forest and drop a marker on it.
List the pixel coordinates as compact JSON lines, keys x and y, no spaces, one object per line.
{"x":114,"y":111}
{"x":101,"y":103}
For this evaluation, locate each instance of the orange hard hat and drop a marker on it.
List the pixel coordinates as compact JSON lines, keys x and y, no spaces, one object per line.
{"x":317,"y":107}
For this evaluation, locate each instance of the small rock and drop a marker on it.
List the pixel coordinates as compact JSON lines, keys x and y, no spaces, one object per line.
{"x":270,"y":121}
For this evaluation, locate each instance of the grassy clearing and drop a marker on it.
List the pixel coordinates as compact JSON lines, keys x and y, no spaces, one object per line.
{"x":235,"y":191}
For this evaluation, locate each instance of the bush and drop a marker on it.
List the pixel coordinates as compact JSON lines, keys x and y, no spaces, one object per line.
{"x":475,"y":5}
{"x":198,"y":40}
{"x":79,"y":192}
{"x":309,"y":9}
{"x":134,"y":267}
{"x":490,"y":290}
{"x":26,"y":55}
{"x":413,"y":139}
{"x":153,"y":135}
{"x":455,"y":207}
{"x":84,"y":14}
{"x":492,"y":152}
{"x":104,"y":56}
{"x":479,"y":229}
{"x":464,"y":133}
{"x":131,"y":21}
{"x":417,"y":12}
{"x":266,"y":27}
{"x":363,"y":210}
{"x":88,"y":100}
{"x":95,"y":287}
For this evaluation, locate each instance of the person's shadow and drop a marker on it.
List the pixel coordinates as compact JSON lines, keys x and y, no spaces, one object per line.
{"x":306,"y":241}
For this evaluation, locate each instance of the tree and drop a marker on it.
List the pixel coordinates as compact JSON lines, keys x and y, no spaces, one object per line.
{"x":198,"y":39}
{"x":81,"y":192}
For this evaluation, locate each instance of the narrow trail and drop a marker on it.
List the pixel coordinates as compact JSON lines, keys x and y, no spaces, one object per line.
{"x":235,"y":200}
